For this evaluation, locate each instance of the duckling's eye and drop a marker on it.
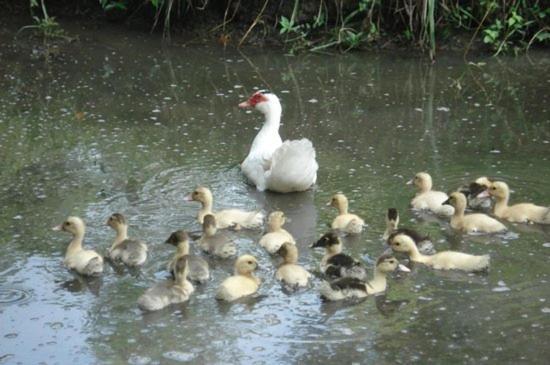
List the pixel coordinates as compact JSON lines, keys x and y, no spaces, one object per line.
{"x":493,"y":188}
{"x":396,"y":243}
{"x":391,"y":262}
{"x":67,"y":223}
{"x":250,"y":262}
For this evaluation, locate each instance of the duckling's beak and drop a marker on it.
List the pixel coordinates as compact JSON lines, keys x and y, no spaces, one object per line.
{"x":188,"y":198}
{"x":409,"y":182}
{"x":447,"y":202}
{"x":57,"y":228}
{"x":403,"y":268}
{"x":483,"y":194}
{"x":245,"y":105}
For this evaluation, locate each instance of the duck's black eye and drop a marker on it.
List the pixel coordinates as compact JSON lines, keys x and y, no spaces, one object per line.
{"x":67,"y":223}
{"x":493,"y":188}
{"x":396,"y":243}
{"x":250,"y":262}
{"x":391,"y":262}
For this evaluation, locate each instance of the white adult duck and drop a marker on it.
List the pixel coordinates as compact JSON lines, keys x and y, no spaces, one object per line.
{"x":272,"y":164}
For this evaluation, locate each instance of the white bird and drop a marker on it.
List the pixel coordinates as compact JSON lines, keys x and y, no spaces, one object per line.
{"x":272,"y":164}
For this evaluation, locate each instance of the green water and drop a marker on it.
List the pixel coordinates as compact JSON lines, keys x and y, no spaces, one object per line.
{"x":120,"y":124}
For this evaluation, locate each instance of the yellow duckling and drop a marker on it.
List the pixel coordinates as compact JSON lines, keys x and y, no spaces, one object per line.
{"x":198,"y":267}
{"x":471,"y":223}
{"x":241,"y":284}
{"x":170,"y":291}
{"x":522,"y":212}
{"x":344,"y":221}
{"x":129,"y":251}
{"x":234,"y":218}
{"x":276,"y":235}
{"x":428,"y":199}
{"x":84,"y":262}
{"x":290,"y":273}
{"x":214,"y":243}
{"x":446,"y":260}
{"x":348,"y":288}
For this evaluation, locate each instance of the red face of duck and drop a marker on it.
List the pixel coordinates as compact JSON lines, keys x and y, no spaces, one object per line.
{"x":257,"y":97}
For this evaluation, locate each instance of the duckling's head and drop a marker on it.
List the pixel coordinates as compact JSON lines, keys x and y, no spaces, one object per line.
{"x":246,"y":264}
{"x":209,"y":225}
{"x":483,"y":181}
{"x":392,"y":219}
{"x":276,"y":220}
{"x":422,"y":181}
{"x":201,"y":194}
{"x":262,"y":101}
{"x":456,"y":200}
{"x":339,"y":201}
{"x":328,"y":240}
{"x":288,"y":252}
{"x":400,"y":242}
{"x":388,"y":263}
{"x":116,"y":220}
{"x":177,"y":237}
{"x":73,"y":225}
{"x":499,"y":190}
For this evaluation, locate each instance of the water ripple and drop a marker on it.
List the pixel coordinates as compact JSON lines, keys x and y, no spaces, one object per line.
{"x":13,"y":295}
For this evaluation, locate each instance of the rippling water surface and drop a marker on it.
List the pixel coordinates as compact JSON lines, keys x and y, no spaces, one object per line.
{"x":119,"y":124}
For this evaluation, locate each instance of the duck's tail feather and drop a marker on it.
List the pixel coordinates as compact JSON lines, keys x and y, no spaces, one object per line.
{"x":293,"y":167}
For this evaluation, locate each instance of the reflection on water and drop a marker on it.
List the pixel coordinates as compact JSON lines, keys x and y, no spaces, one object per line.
{"x":119,"y":125}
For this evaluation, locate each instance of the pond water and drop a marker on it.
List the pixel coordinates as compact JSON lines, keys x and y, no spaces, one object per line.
{"x":117,"y":123}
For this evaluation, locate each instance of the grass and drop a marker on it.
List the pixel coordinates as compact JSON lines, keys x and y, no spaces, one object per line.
{"x":501,"y":26}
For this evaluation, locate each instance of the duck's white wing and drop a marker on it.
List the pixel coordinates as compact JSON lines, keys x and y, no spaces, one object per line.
{"x":293,"y":167}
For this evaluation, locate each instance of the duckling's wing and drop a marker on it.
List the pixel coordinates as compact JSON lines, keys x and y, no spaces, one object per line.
{"x":348,"y":283}
{"x":93,"y":267}
{"x":198,"y":269}
{"x":342,"y":260}
{"x":135,"y":251}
